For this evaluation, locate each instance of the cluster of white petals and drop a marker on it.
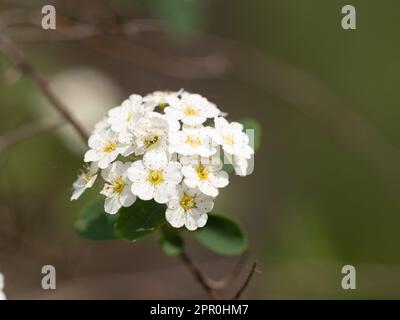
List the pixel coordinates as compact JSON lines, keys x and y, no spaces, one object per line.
{"x":166,"y":146}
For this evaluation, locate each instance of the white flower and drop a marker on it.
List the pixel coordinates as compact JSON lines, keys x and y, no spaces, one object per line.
{"x":191,"y":109}
{"x":117,"y":188}
{"x":161,"y":99}
{"x":173,"y":124}
{"x":157,"y":183}
{"x":205,"y":174}
{"x":84,"y":181}
{"x":189,"y":208}
{"x":151,"y":139}
{"x":151,"y":132}
{"x":101,"y":127}
{"x":192,"y":141}
{"x":105,"y":148}
{"x":232,"y":138}
{"x":123,"y":118}
{"x":2,"y":295}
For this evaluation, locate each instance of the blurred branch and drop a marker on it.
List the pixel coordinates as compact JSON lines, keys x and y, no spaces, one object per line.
{"x":223,"y":283}
{"x":27,"y":131}
{"x":207,"y":66}
{"x":25,"y":25}
{"x":210,"y":286}
{"x":15,"y":55}
{"x":246,"y":282}
{"x":101,"y":37}
{"x":198,"y":275}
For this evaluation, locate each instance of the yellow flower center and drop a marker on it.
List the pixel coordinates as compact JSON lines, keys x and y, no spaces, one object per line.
{"x":110,"y":146}
{"x":155,"y":177}
{"x":229,"y":139}
{"x":87,"y":176}
{"x":193,"y":141}
{"x":202,"y":172}
{"x":187,"y":202}
{"x":118,"y":185}
{"x":190,"y":111}
{"x":152,"y":141}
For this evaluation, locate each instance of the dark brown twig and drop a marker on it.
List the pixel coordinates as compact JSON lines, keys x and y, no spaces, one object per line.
{"x":15,"y":55}
{"x":246,"y":282}
{"x":199,"y":276}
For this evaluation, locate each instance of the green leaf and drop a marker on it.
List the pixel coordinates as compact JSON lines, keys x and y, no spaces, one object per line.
{"x":171,"y":242}
{"x":94,"y":224}
{"x":139,"y":220}
{"x":222,"y":235}
{"x":249,"y":123}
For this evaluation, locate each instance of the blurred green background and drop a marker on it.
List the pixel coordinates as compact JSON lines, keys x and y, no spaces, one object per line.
{"x":325,"y":191}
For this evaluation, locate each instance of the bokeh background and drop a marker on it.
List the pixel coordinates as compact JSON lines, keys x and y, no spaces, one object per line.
{"x":325,"y":191}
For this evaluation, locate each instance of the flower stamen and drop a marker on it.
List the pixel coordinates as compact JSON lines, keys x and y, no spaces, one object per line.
{"x":151,"y":141}
{"x":229,"y":139}
{"x":110,"y":146}
{"x":155,"y":177}
{"x":190,"y":111}
{"x":193,"y":141}
{"x":118,"y":185}
{"x":87,"y":176}
{"x":202,"y":172}
{"x":187,"y":202}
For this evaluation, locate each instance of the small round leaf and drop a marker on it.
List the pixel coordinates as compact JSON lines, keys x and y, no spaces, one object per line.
{"x":94,"y":224}
{"x":139,"y":220}
{"x":222,"y":235}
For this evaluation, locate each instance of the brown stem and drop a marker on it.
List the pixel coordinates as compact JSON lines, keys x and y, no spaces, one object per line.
{"x":230,"y":277}
{"x":246,"y":282}
{"x":199,"y":276}
{"x":14,"y":54}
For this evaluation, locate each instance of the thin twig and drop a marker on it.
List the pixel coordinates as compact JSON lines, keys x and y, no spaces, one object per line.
{"x":199,"y":276}
{"x":246,"y":282}
{"x":27,"y":131}
{"x":14,"y":54}
{"x":228,"y":279}
{"x":24,"y":25}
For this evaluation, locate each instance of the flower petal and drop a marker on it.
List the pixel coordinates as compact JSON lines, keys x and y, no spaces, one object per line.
{"x":144,"y":190}
{"x":191,"y":221}
{"x":92,"y":155}
{"x":176,"y":217}
{"x":137,"y":172}
{"x":205,"y":203}
{"x":220,"y":180}
{"x":112,"y":205}
{"x":127,"y":198}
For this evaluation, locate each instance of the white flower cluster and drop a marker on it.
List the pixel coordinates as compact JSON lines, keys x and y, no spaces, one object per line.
{"x":161,"y":147}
